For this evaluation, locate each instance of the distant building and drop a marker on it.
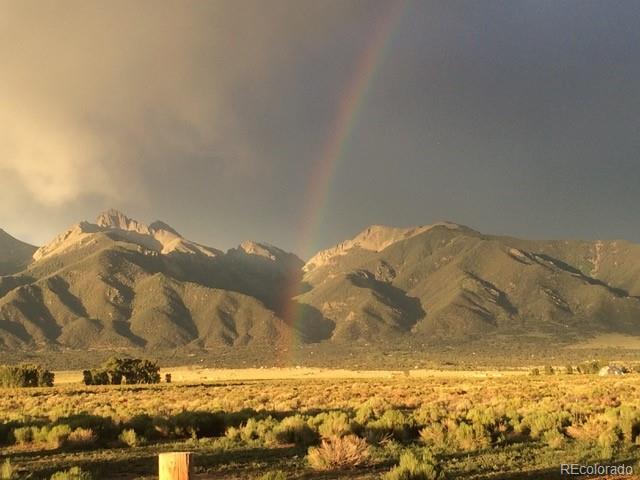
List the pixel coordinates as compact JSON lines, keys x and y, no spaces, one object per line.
{"x":611,"y":370}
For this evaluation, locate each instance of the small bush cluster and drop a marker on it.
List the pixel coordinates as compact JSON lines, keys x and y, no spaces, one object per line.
{"x":391,"y":424}
{"x":339,"y":453}
{"x":592,"y":367}
{"x":131,"y":370}
{"x":74,"y":473}
{"x":130,"y":438}
{"x":273,"y":476}
{"x":254,"y":430}
{"x":295,"y":429}
{"x":7,"y":472}
{"x":333,"y":424}
{"x":54,"y":436}
{"x":26,"y":375}
{"x":415,"y":467}
{"x":586,"y":368}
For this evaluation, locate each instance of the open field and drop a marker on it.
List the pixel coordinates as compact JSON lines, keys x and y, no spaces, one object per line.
{"x":489,"y":354}
{"x":198,"y":374}
{"x":610,"y":340}
{"x":477,"y":425}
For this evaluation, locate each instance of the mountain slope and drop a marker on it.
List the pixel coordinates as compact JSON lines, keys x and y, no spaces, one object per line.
{"x":118,"y":283}
{"x":14,"y":254}
{"x":450,"y":281}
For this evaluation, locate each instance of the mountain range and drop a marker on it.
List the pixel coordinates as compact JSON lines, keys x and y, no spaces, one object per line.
{"x":119,"y":283}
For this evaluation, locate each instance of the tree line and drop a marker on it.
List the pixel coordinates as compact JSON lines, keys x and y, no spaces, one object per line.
{"x":114,"y":371}
{"x":26,"y":375}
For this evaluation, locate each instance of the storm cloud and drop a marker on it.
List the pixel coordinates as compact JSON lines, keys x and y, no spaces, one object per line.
{"x":515,"y":117}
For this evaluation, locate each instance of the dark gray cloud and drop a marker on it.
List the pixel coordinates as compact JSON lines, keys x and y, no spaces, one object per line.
{"x":512,"y":117}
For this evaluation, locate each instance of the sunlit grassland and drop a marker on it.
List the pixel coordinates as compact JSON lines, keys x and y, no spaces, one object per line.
{"x":468,"y":425}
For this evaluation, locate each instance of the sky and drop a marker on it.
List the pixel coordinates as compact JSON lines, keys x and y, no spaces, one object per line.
{"x":301,"y":122}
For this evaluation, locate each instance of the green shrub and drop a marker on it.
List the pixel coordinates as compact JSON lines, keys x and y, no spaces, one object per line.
{"x":54,"y":436}
{"x":414,"y":467}
{"x":26,"y":375}
{"x":22,"y":435}
{"x":333,"y":424}
{"x":254,"y":430}
{"x":74,"y":473}
{"x":115,"y":370}
{"x":488,"y":425}
{"x":221,"y":444}
{"x":387,"y":452}
{"x":82,"y":438}
{"x":129,"y":438}
{"x":541,"y":421}
{"x":58,"y":435}
{"x":295,"y":430}
{"x":554,"y":439}
{"x":233,"y":433}
{"x":435,"y":436}
{"x":273,"y":476}
{"x":629,"y":423}
{"x":464,"y":437}
{"x":7,"y":471}
{"x":97,"y":377}
{"x":198,"y":424}
{"x":429,"y":413}
{"x":609,"y":441}
{"x":87,"y":377}
{"x":592,"y":367}
{"x":102,"y":428}
{"x":393,"y":423}
{"x":371,"y":410}
{"x":339,"y":453}
{"x":142,"y":424}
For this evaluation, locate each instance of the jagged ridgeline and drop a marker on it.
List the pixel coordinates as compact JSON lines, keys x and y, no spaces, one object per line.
{"x":119,"y":283}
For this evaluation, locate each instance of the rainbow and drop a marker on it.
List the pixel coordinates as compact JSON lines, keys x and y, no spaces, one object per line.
{"x":345,"y":121}
{"x":334,"y":148}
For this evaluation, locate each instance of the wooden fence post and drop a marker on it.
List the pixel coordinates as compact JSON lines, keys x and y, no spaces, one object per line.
{"x":175,"y":466}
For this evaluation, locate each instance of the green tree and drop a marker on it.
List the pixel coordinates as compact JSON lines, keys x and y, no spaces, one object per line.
{"x":26,"y":375}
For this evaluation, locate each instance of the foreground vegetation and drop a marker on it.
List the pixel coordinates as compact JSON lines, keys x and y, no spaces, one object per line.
{"x":392,"y":429}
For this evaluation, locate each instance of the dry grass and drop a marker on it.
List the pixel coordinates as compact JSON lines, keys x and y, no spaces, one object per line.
{"x":339,"y":453}
{"x":190,"y":374}
{"x":609,"y":340}
{"x":492,"y":424}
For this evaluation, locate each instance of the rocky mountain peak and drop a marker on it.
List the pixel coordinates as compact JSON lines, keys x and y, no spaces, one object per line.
{"x":159,"y":225}
{"x":374,"y":238}
{"x":115,"y":219}
{"x":260,"y":249}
